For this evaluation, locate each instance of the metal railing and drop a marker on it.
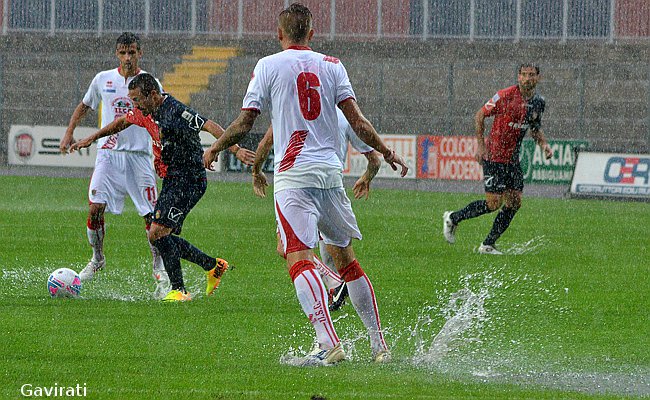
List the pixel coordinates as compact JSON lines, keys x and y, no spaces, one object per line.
{"x":515,"y":20}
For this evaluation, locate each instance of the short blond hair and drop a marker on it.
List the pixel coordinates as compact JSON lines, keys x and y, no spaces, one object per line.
{"x":295,"y":22}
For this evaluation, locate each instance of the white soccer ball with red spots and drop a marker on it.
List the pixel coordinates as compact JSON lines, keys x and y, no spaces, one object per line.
{"x":64,"y":282}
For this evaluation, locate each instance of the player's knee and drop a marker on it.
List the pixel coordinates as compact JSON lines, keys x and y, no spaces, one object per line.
{"x":279,"y":248}
{"x":493,"y":204}
{"x":96,"y":211}
{"x":148,"y":219}
{"x":280,"y":252}
{"x":156,"y":232}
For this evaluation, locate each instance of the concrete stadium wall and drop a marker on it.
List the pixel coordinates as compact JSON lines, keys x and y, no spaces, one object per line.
{"x":594,"y":91}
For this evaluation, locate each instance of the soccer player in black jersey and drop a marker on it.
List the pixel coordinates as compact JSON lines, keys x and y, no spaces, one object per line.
{"x":185,"y":183}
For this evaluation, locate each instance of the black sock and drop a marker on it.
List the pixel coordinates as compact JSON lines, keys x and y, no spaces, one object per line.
{"x":170,"y":254}
{"x":501,"y":223}
{"x":472,"y":210}
{"x":191,"y":253}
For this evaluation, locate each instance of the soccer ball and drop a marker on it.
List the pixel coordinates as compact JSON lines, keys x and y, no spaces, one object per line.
{"x":64,"y":282}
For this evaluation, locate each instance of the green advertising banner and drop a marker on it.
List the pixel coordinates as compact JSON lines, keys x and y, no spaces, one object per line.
{"x":557,"y":169}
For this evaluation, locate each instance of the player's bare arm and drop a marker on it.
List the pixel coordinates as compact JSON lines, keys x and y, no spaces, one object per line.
{"x":244,"y":155}
{"x":263,"y":149}
{"x":361,"y":188}
{"x":479,"y":126}
{"x":367,"y":133}
{"x":235,"y":132}
{"x":77,"y":115}
{"x":118,"y":125}
{"x":540,"y":139}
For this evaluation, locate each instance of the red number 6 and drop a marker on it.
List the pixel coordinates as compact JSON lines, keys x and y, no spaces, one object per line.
{"x":308,"y":96}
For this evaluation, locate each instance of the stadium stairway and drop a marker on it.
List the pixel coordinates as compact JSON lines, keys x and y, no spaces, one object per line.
{"x":193,"y":74}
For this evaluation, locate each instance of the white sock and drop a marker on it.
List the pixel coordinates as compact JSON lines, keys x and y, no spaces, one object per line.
{"x":157,"y":262}
{"x":313,"y":300}
{"x":363,"y":299}
{"x":96,"y":240}
{"x":330,"y":278}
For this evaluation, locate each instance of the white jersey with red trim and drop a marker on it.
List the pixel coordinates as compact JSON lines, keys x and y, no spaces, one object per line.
{"x":111,"y":90}
{"x":302,"y":89}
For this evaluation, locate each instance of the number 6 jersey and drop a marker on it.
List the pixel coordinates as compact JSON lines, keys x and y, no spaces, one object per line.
{"x":302,"y":89}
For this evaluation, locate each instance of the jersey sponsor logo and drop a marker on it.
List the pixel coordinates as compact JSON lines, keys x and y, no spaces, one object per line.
{"x":187,"y":116}
{"x":516,"y":125}
{"x":195,"y":121}
{"x":174,"y":214}
{"x":331,"y":59}
{"x":109,"y":87}
{"x":492,"y":102}
{"x":489,"y":180}
{"x":121,"y":106}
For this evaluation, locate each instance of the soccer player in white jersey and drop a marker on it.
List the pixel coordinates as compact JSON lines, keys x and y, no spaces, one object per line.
{"x":302,"y":88}
{"x":124,"y":164}
{"x":336,"y":287}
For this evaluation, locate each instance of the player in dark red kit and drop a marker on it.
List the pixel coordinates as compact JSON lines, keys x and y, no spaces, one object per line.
{"x":516,"y":110}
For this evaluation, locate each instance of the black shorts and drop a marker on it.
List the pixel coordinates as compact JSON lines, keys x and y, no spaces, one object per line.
{"x":177,"y":198}
{"x":498,"y":177}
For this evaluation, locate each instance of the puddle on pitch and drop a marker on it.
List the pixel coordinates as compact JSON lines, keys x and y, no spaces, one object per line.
{"x":109,"y":284}
{"x":471,"y":332}
{"x":463,"y":336}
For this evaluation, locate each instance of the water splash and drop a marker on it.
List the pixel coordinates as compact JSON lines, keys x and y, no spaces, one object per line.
{"x":352,"y":338}
{"x":112,"y":283}
{"x":468,"y":329}
{"x":464,"y":314}
{"x":531,"y":246}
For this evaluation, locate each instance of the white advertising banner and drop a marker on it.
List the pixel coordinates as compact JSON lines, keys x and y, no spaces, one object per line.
{"x":39,"y":146}
{"x":612,"y":174}
{"x":404,"y":145}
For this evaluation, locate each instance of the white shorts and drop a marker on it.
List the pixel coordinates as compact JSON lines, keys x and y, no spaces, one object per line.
{"x":118,"y":173}
{"x":302,"y":213}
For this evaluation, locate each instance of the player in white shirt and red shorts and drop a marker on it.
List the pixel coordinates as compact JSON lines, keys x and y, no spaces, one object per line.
{"x":302,"y":89}
{"x":124,"y":163}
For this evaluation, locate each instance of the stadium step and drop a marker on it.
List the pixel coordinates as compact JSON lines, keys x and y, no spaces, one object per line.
{"x":193,"y":74}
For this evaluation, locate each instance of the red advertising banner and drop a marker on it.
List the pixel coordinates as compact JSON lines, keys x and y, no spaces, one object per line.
{"x":448,"y":157}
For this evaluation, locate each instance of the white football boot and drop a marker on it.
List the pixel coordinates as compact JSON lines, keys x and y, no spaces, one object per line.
{"x":383,"y":357}
{"x":487,"y":249}
{"x":88,"y":273}
{"x":448,"y":227}
{"x":322,"y":358}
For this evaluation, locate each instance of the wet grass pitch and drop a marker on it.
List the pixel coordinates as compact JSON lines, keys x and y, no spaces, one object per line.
{"x":564,"y":314}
